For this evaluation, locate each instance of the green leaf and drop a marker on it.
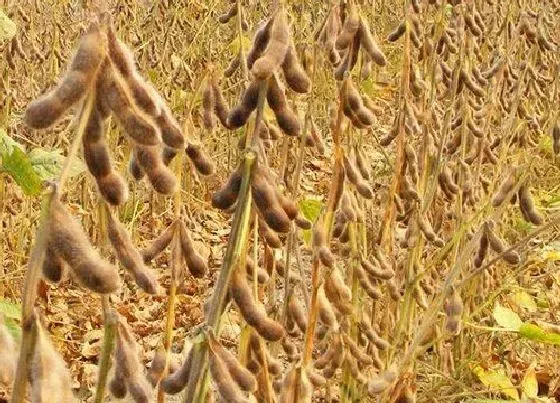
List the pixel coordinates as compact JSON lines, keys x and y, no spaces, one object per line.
{"x":310,"y":208}
{"x":234,"y":44}
{"x":505,"y":317}
{"x":536,"y":333}
{"x":497,"y":380}
{"x":7,"y":27}
{"x":19,"y":167}
{"x":48,"y":164}
{"x":13,"y":328}
{"x":529,"y":384}
{"x":7,"y":144}
{"x":523,"y":300}
{"x":10,"y":310}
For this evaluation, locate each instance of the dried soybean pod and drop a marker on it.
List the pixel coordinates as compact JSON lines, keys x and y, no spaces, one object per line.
{"x":338,"y":293}
{"x":71,"y":243}
{"x":482,"y":250}
{"x":302,"y":222}
{"x":349,"y":28}
{"x":370,"y":45}
{"x":96,"y":152}
{"x":260,"y":41}
{"x":362,"y":165}
{"x":50,"y":379}
{"x":134,"y":167}
{"x":239,"y":114}
{"x":294,"y":73}
{"x":53,"y":265}
{"x":285,"y":116}
{"x":253,"y":311}
{"x":233,"y":65}
{"x":497,"y":245}
{"x":113,"y":188}
{"x":46,"y":110}
{"x":161,"y":177}
{"x":200,"y":160}
{"x":208,"y":105}
{"x":226,"y":196}
{"x":158,"y":245}
{"x":326,"y":312}
{"x":267,"y":202}
{"x":453,"y":305}
{"x":351,"y":172}
{"x":157,"y":366}
{"x":276,"y":49}
{"x":225,"y":384}
{"x":397,"y":32}
{"x":297,"y":312}
{"x":242,"y":376}
{"x":139,"y":126}
{"x":505,"y":187}
{"x":221,"y":109}
{"x":556,"y":139}
{"x":196,"y":264}
{"x":117,"y":386}
{"x":228,"y":15}
{"x":177,"y":381}
{"x":527,"y":205}
{"x":129,"y":256}
{"x":270,"y":237}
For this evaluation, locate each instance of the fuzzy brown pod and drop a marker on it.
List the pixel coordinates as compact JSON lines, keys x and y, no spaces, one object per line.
{"x":397,"y":33}
{"x":482,"y":250}
{"x":161,"y":178}
{"x":320,"y":248}
{"x":251,"y":267}
{"x":129,"y":256}
{"x":200,"y":160}
{"x":372,"y":335}
{"x":382,"y":381}
{"x":226,"y":196}
{"x":50,"y":379}
{"x":498,"y":246}
{"x":137,"y":124}
{"x":239,"y":114}
{"x":276,"y":49}
{"x":269,"y":236}
{"x":326,"y":313}
{"x":287,"y":119}
{"x":221,"y":108}
{"x":296,"y":386}
{"x":369,"y":44}
{"x":196,"y":264}
{"x":68,"y":240}
{"x":157,"y":366}
{"x":176,"y":382}
{"x":260,"y":41}
{"x":54,"y":268}
{"x":297,"y":313}
{"x":294,"y":73}
{"x":143,"y":94}
{"x":527,"y":205}
{"x":504,"y":189}
{"x":208,"y":105}
{"x":253,"y":311}
{"x":556,"y":139}
{"x":129,"y":374}
{"x":349,"y":28}
{"x":158,"y":245}
{"x":337,"y":292}
{"x":267,"y":201}
{"x":262,"y":355}
{"x":240,"y":375}
{"x":73,"y":85}
{"x":233,"y":65}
